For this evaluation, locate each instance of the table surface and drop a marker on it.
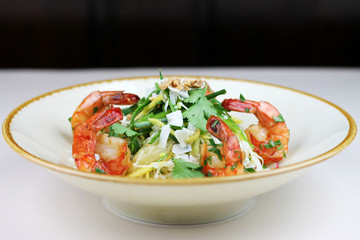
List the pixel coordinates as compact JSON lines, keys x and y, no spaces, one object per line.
{"x":322,"y":204}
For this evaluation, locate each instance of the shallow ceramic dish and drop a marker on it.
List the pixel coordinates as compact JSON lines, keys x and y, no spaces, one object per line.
{"x":44,"y":139}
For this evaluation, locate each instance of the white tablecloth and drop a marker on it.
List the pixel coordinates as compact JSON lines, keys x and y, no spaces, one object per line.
{"x":322,"y":204}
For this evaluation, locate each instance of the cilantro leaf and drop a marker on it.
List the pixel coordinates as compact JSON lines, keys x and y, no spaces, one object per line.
{"x":98,"y":170}
{"x":251,"y":170}
{"x":200,"y":110}
{"x":194,"y":95}
{"x":279,"y":118}
{"x":242,"y":99}
{"x":117,"y":128}
{"x":184,"y":169}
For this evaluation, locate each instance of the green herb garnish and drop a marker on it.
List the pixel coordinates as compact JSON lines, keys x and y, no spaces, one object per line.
{"x":157,"y":86}
{"x":161,"y":76}
{"x":272,"y":144}
{"x":213,"y":125}
{"x":117,"y":129}
{"x":98,"y":170}
{"x":215,"y":148}
{"x":130,"y":109}
{"x":251,"y":170}
{"x":194,"y":95}
{"x":242,"y":99}
{"x":280,"y":145}
{"x":200,"y":110}
{"x":215,"y":94}
{"x":207,"y":161}
{"x":134,"y":145}
{"x":234,"y":166}
{"x":184,"y":169}
{"x":279,"y":118}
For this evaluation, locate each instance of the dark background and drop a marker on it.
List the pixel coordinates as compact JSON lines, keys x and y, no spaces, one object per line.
{"x":128,"y":33}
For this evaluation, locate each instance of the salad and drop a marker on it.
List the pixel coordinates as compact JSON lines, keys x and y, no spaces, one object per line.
{"x":178,"y":130}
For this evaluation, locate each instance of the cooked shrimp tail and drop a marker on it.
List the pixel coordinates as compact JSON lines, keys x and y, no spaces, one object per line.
{"x":232,"y":163}
{"x":270,"y":136}
{"x":231,"y":146}
{"x":84,"y":140}
{"x":118,"y":98}
{"x":98,"y":101}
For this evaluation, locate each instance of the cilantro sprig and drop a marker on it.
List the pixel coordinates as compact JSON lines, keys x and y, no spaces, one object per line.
{"x":184,"y":169}
{"x":201,"y":109}
{"x":118,"y":129}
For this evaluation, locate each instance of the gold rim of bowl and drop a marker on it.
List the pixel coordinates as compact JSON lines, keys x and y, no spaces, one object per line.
{"x":121,"y":179}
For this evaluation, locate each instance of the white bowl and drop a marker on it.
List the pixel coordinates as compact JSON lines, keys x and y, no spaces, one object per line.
{"x":39,"y":131}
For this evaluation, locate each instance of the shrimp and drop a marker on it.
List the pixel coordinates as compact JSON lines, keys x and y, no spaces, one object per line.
{"x":270,"y":136}
{"x":88,"y":141}
{"x":114,"y":152}
{"x":98,"y":101}
{"x":212,"y":160}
